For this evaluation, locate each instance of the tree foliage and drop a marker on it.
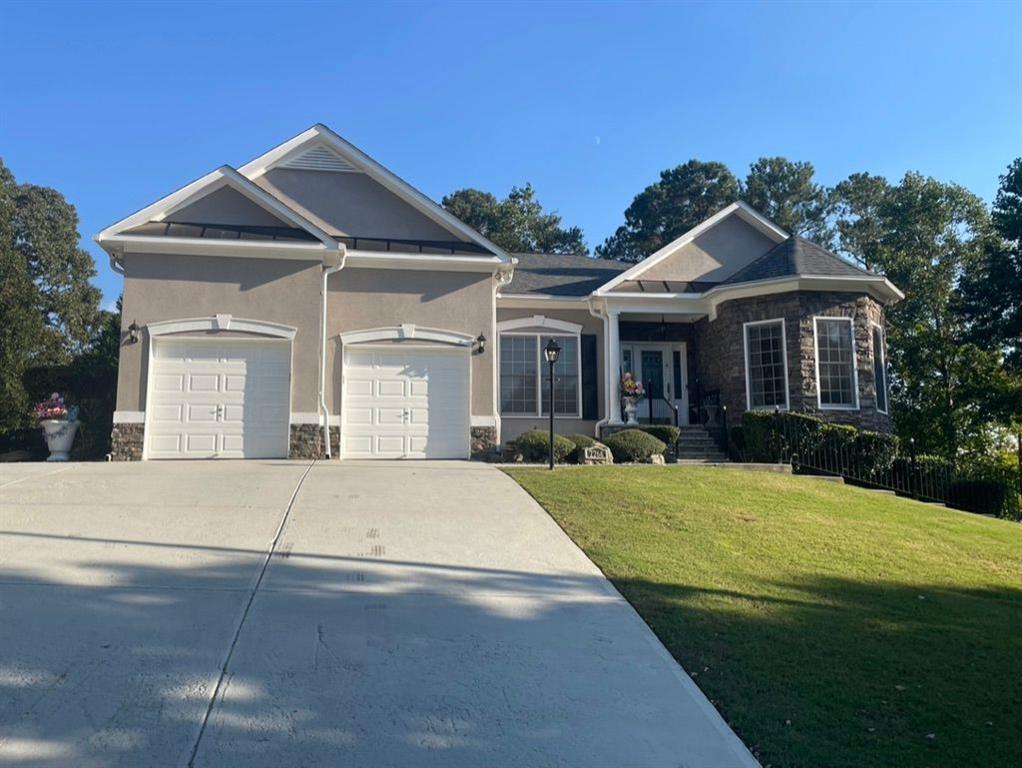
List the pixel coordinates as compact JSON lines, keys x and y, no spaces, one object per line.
{"x":786,"y":193}
{"x":992,"y":295}
{"x":682,"y":198}
{"x":517,"y":223}
{"x":49,"y":311}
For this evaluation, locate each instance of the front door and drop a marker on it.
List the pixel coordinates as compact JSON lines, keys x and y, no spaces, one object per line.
{"x":660,"y":368}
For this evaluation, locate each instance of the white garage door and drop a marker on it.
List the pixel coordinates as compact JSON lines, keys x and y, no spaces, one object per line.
{"x":219,"y":399}
{"x":404,"y":401}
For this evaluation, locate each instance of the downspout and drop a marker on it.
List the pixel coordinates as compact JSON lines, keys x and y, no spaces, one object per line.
{"x":332,"y":262}
{"x":605,"y":317}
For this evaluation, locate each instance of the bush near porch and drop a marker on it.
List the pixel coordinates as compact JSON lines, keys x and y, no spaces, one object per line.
{"x":830,"y":625}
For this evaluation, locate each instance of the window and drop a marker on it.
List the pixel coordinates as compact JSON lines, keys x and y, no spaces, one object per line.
{"x":766,"y":365}
{"x":518,"y":363}
{"x":524,"y":383}
{"x":836,"y":378}
{"x":880,"y":368}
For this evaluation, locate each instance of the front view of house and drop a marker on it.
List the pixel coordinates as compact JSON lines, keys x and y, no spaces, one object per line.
{"x":313,"y":292}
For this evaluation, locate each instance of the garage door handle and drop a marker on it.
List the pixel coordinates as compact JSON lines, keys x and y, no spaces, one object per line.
{"x":219,"y":413}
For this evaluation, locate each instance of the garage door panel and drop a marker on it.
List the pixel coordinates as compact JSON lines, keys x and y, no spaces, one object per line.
{"x":390,"y":389}
{"x":169,"y":383}
{"x":406,"y":403}
{"x":229,"y":399}
{"x":203,"y":382}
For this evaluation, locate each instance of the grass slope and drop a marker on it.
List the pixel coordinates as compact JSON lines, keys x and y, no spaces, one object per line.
{"x":831,"y":626}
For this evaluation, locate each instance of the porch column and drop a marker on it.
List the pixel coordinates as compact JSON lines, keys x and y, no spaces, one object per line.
{"x":613,"y":367}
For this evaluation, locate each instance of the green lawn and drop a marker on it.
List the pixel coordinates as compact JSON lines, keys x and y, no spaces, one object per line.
{"x":831,"y":626}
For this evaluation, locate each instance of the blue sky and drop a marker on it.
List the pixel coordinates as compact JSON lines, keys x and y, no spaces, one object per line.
{"x":117,"y":105}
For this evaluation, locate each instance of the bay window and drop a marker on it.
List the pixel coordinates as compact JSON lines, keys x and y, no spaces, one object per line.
{"x":766,"y":365}
{"x":836,"y":377}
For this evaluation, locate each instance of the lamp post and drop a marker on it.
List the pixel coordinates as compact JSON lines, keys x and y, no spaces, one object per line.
{"x":551,"y":351}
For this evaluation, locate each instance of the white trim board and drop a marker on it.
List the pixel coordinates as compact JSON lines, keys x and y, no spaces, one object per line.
{"x":406,"y":332}
{"x":223,"y":322}
{"x":539,"y":321}
{"x":129,"y":417}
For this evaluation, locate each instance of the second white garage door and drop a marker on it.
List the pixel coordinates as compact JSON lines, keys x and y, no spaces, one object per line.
{"x":404,"y":401}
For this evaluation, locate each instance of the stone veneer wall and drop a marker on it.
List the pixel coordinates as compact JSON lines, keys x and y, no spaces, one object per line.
{"x":126,"y":442}
{"x":721,"y":351}
{"x":484,"y":444}
{"x":307,"y":442}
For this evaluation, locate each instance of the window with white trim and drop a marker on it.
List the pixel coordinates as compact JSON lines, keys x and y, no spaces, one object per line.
{"x":524,"y":379}
{"x":835,"y":363}
{"x":880,"y":368}
{"x":766,"y":374}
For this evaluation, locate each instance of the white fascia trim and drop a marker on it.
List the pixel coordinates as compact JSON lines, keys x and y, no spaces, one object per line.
{"x":314,"y":418}
{"x":742,"y":210}
{"x":222,"y":322}
{"x":224,"y":176}
{"x":406,"y":332}
{"x":530,"y":301}
{"x":539,"y":321}
{"x":197,"y":246}
{"x":784,"y":353}
{"x":439,"y":261}
{"x":129,"y":417}
{"x":374,"y":170}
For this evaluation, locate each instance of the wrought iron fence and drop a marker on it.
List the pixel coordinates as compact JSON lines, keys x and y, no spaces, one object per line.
{"x":875,"y":461}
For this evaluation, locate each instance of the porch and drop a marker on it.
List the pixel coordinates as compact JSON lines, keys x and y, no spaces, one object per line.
{"x":662,"y":352}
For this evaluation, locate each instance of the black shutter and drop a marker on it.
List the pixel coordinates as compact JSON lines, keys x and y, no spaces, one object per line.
{"x":677,"y":375}
{"x":590,"y":378}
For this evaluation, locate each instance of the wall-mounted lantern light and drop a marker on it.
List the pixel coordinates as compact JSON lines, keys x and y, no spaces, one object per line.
{"x":133,"y":330}
{"x":481,"y":343}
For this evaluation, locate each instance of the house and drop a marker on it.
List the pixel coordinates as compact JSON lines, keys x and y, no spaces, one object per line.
{"x":312,"y":291}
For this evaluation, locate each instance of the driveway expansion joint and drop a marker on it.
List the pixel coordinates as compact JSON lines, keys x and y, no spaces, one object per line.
{"x":219,"y":689}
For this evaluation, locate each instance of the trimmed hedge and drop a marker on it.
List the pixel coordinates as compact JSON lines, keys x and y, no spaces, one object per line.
{"x":634,"y":445}
{"x":665,"y":433}
{"x":581,"y":442}
{"x":534,"y":446}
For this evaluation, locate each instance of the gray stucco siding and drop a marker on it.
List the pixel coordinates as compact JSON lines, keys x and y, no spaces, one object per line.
{"x":351,"y":204}
{"x":169,"y":287}
{"x":363,"y":299}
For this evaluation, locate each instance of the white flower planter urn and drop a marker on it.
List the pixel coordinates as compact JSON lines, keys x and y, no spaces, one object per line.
{"x":631,"y":408}
{"x":59,"y":437}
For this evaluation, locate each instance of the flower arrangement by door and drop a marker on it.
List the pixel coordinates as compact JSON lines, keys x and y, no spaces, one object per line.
{"x":631,"y":391}
{"x":60,"y":424}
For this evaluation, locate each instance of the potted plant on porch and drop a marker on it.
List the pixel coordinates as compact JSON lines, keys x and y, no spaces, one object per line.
{"x":59,"y":423}
{"x":631,"y":391}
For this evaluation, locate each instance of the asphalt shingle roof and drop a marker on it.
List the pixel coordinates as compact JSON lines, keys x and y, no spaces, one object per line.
{"x":559,"y":275}
{"x":796,"y":256}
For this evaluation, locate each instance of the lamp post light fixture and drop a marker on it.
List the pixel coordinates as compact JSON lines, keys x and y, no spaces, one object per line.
{"x":552,"y":351}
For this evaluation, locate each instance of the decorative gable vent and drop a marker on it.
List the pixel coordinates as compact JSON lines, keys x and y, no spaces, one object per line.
{"x":320,"y":159}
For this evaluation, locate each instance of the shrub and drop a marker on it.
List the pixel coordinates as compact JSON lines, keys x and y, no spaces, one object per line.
{"x":987,"y":497}
{"x":581,"y":442}
{"x":875,"y":453}
{"x":534,"y":446}
{"x":665,"y":433}
{"x":634,"y":445}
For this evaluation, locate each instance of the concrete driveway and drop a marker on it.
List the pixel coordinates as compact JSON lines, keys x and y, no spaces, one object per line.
{"x":286,"y":614}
